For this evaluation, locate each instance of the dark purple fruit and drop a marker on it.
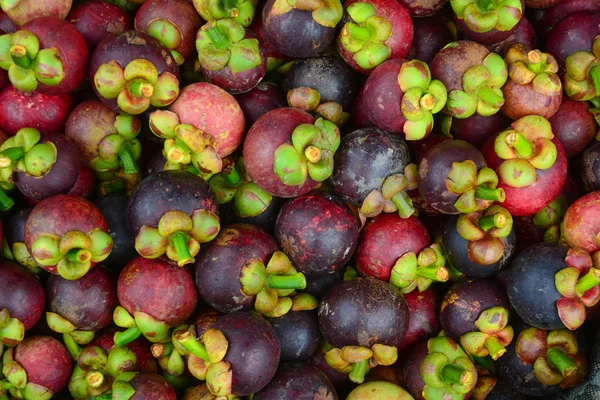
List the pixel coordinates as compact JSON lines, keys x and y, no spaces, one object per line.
{"x":574,"y":125}
{"x":113,"y":207}
{"x":14,"y":232}
{"x":298,"y":333}
{"x":98,"y":19}
{"x":297,"y":381}
{"x":318,"y":285}
{"x":263,"y":98}
{"x":524,"y":34}
{"x":591,"y":168}
{"x":431,"y":35}
{"x":423,"y":321}
{"x":477,"y":129}
{"x":574,"y":32}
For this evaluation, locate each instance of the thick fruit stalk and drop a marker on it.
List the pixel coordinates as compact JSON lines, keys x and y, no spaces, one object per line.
{"x":137,"y":86}
{"x":271,"y":284}
{"x":186,"y":144}
{"x":477,"y":190}
{"x":139,"y":324}
{"x":27,"y":64}
{"x":365,"y":34}
{"x":582,"y":80}
{"x":223,"y":43}
{"x":492,"y":336}
{"x":422,"y":98}
{"x":310,"y":153}
{"x":526,"y":147}
{"x":481,"y":92}
{"x":16,"y":383}
{"x":392,"y":196}
{"x":178,"y":235}
{"x":539,"y":69}
{"x":356,"y":361}
{"x":327,"y":13}
{"x":418,"y":272}
{"x":447,"y":370}
{"x":484,"y":15}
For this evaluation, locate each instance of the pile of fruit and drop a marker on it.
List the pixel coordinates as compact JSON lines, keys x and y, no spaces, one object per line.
{"x":299,"y":199}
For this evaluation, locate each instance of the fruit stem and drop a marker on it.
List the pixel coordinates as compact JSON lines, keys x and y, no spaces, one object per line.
{"x":128,"y":336}
{"x":128,"y":162}
{"x":359,"y":370}
{"x":71,"y":345}
{"x":492,"y":221}
{"x":179,"y":241}
{"x":229,"y":5}
{"x":494,"y":347}
{"x":233,"y":177}
{"x":485,"y":193}
{"x":193,"y":346}
{"x":358,"y":33}
{"x":485,"y":5}
{"x":105,"y":396}
{"x":435,"y":273}
{"x":561,"y":361}
{"x":486,"y":94}
{"x":595,"y":75}
{"x":141,"y":89}
{"x":6,"y":385}
{"x":10,"y":155}
{"x":403,"y":203}
{"x":6,"y":202}
{"x":312,"y":154}
{"x":520,"y":144}
{"x":595,"y":102}
{"x":18,"y":54}
{"x":296,"y":281}
{"x":218,"y":39}
{"x":485,"y":362}
{"x":453,"y":374}
{"x":588,"y":281}
{"x":94,"y":379}
{"x":79,"y":256}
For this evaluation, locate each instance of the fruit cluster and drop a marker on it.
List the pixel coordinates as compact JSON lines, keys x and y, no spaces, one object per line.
{"x":298,"y":199}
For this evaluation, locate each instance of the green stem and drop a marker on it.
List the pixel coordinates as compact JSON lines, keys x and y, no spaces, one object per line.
{"x":595,"y":102}
{"x":79,"y":256}
{"x":180,"y":243}
{"x":141,"y":89}
{"x":595,"y":75}
{"x":494,"y":347}
{"x":403,"y":203}
{"x":485,"y":193}
{"x":485,"y":362}
{"x":6,"y":202}
{"x":128,"y":336}
{"x":492,"y":221}
{"x":233,"y":177}
{"x":6,"y":385}
{"x":433,"y":273}
{"x":453,"y":374}
{"x":561,"y":361}
{"x":72,"y":347}
{"x":129,"y":165}
{"x":517,"y":141}
{"x":358,"y":32}
{"x":486,"y":94}
{"x":588,"y":281}
{"x":485,"y":5}
{"x":359,"y":370}
{"x":18,"y":54}
{"x":10,"y":156}
{"x":218,"y":39}
{"x":296,"y":281}
{"x":194,"y":346}
{"x":105,"y":396}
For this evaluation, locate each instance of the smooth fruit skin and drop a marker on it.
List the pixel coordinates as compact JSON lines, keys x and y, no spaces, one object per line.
{"x":431,"y":34}
{"x":450,"y":63}
{"x":253,"y":351}
{"x":46,"y":113}
{"x":213,"y":111}
{"x":318,"y":232}
{"x":22,"y":293}
{"x":268,"y":133}
{"x":88,"y":303}
{"x":529,"y":200}
{"x":27,"y":10}
{"x":218,"y":266}
{"x":98,"y":19}
{"x":502,"y":391}
{"x":412,"y":377}
{"x":297,"y":381}
{"x":524,"y":33}
{"x":423,"y":321}
{"x":581,"y":223}
{"x":158,"y":288}
{"x":363,"y":312}
{"x":546,"y":19}
{"x":113,"y":207}
{"x":531,"y":288}
{"x":45,"y":360}
{"x":263,"y":98}
{"x":385,"y":239}
{"x":574,"y":125}
{"x":298,"y":333}
{"x":572,"y":33}
{"x":477,"y":129}
{"x":151,"y":386}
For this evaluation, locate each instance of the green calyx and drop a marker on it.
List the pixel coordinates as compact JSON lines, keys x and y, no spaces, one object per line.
{"x":168,"y":33}
{"x":327,"y":13}
{"x":27,"y":64}
{"x":481,"y":92}
{"x":539,"y":69}
{"x":526,"y":147}
{"x":120,"y":149}
{"x":138,"y":324}
{"x":552,"y":214}
{"x":6,"y":202}
{"x":582,"y":78}
{"x":484,"y":15}
{"x":171,"y":354}
{"x":356,"y":361}
{"x":137,"y":86}
{"x":209,"y":350}
{"x":223,"y":43}
{"x":22,"y":256}
{"x":24,"y":153}
{"x":554,"y":354}
{"x":72,"y":337}
{"x":185,"y":144}
{"x":310,"y":153}
{"x":15,"y":381}
{"x":492,"y":336}
{"x":477,"y":190}
{"x":73,"y":253}
{"x":484,"y":230}
{"x":447,"y":370}
{"x":422,"y":98}
{"x":241,"y":11}
{"x":178,"y":235}
{"x":365,"y":35}
{"x":271,"y":284}
{"x":12,"y":330}
{"x":418,"y":272}
{"x":309,"y":100}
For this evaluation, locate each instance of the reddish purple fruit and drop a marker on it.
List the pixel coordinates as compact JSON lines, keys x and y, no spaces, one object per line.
{"x":98,"y":19}
{"x":423,"y":322}
{"x":22,"y":11}
{"x":524,"y":33}
{"x":151,"y":386}
{"x":477,"y":129}
{"x":318,"y":232}
{"x":546,"y":19}
{"x":581,"y":224}
{"x":430,"y":36}
{"x":263,"y":98}
{"x":487,"y":22}
{"x":591,"y":168}
{"x":574,"y":32}
{"x":574,"y":125}
{"x":297,"y":381}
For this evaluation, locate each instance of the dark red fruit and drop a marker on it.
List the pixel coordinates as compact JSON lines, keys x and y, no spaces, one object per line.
{"x":423,"y":322}
{"x":524,"y":33}
{"x":431,"y":35}
{"x":574,"y":32}
{"x":46,"y":113}
{"x":581,"y":224}
{"x":546,"y":19}
{"x":98,"y":19}
{"x":263,"y":98}
{"x":318,"y":232}
{"x":422,"y":8}
{"x":477,"y":129}
{"x":574,"y":125}
{"x":359,"y":116}
{"x":151,"y":386}
{"x":297,"y":381}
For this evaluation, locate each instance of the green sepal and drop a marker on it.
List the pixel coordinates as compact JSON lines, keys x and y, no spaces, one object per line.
{"x":153,"y":329}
